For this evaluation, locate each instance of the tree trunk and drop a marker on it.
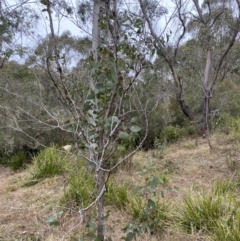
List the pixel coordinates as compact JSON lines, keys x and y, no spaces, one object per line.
{"x":96,"y":29}
{"x":100,"y":190}
{"x":95,"y":45}
{"x":185,"y":109}
{"x":206,"y":112}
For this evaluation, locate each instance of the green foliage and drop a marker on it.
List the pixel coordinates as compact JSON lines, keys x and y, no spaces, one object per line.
{"x":172,"y":133}
{"x":226,"y":230}
{"x":177,"y":117}
{"x":117,"y":195}
{"x":15,"y":161}
{"x":81,"y":187}
{"x":54,"y":219}
{"x":226,"y":99}
{"x":224,"y":187}
{"x":159,"y":148}
{"x":231,"y":127}
{"x":203,"y":211}
{"x":48,"y":163}
{"x":149,"y":213}
{"x":120,"y":152}
{"x":133,"y":230}
{"x":189,"y":129}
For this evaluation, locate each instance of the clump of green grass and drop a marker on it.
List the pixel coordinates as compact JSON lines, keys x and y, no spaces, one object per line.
{"x":117,"y":195}
{"x":224,"y":187}
{"x":227,"y":230}
{"x":203,"y":211}
{"x":48,"y":163}
{"x":15,"y":161}
{"x":81,"y":189}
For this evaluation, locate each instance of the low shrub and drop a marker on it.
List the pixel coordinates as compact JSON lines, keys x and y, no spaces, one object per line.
{"x":172,"y":133}
{"x":155,"y":214}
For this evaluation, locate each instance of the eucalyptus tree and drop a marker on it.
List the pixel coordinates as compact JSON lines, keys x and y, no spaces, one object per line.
{"x":213,"y":26}
{"x":16,"y":18}
{"x":216,"y":31}
{"x":91,"y":100}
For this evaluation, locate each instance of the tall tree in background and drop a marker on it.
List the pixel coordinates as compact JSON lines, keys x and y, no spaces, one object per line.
{"x":162,"y":48}
{"x":218,"y":25}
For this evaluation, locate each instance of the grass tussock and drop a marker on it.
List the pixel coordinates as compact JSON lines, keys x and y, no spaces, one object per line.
{"x":14,"y":161}
{"x":215,"y":213}
{"x":48,"y":163}
{"x":117,"y":195}
{"x":227,"y":231}
{"x":80,"y":191}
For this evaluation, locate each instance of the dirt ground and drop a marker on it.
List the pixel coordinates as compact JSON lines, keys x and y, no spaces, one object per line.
{"x":188,"y":164}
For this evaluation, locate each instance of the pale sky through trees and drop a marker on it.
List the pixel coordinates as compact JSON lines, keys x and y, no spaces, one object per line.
{"x":62,"y":23}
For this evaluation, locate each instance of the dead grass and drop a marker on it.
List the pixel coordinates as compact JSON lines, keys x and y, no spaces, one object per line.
{"x":187,"y":164}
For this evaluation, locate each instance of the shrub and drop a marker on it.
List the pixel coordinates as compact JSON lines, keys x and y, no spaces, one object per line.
{"x":153,"y":213}
{"x":169,"y":135}
{"x":172,"y":133}
{"x":190,"y":129}
{"x":231,"y":127}
{"x":48,"y":163}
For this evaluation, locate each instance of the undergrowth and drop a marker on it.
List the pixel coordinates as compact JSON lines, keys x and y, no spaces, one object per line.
{"x":215,"y":213}
{"x":15,"y":161}
{"x":48,"y":163}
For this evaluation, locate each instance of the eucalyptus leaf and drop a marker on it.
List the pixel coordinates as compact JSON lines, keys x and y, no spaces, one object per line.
{"x":134,"y":128}
{"x":115,"y":119}
{"x":151,"y":204}
{"x":123,"y":135}
{"x":109,"y":85}
{"x":92,"y":225}
{"x":52,"y":220}
{"x":129,"y":236}
{"x":100,"y":87}
{"x":159,"y":179}
{"x":113,"y":75}
{"x":133,"y":119}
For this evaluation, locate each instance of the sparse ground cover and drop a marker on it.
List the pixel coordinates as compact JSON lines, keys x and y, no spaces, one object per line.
{"x":200,"y":191}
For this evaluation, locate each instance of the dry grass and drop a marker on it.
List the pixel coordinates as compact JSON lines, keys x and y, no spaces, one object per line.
{"x":187,"y":164}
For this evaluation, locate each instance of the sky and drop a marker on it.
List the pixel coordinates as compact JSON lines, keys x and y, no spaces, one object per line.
{"x":62,"y":24}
